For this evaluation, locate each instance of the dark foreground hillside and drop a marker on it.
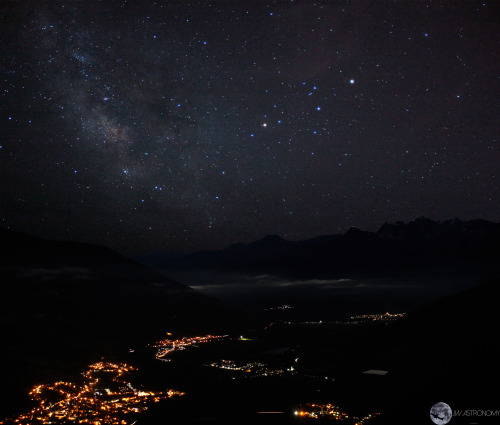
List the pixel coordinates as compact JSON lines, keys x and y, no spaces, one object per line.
{"x":65,"y":304}
{"x":447,"y":352}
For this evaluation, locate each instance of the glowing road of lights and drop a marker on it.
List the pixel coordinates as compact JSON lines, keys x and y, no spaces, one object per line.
{"x":167,"y":346}
{"x":104,"y":397}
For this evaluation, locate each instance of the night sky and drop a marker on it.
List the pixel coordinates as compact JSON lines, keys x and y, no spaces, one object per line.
{"x":181,"y":126}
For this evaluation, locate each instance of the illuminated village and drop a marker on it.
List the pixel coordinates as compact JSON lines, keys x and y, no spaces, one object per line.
{"x":385,"y":317}
{"x":104,"y":397}
{"x":251,"y":369}
{"x":329,"y":411}
{"x":366,"y":318}
{"x":167,"y":346}
{"x":282,"y":307}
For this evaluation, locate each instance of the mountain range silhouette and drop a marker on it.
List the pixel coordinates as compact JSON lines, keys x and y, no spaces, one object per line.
{"x":394,"y":247}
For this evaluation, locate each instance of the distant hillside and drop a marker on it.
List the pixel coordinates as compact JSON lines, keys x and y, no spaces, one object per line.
{"x":63,"y":303}
{"x":447,"y":351}
{"x":394,"y":247}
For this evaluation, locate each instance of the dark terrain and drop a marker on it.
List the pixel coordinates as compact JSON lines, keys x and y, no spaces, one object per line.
{"x":463,"y":246}
{"x":445,"y":352}
{"x":67,"y":304}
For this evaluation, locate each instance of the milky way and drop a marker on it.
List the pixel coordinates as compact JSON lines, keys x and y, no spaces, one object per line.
{"x":182,"y":126}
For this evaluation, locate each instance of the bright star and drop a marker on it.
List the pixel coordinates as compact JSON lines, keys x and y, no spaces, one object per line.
{"x":351,"y":81}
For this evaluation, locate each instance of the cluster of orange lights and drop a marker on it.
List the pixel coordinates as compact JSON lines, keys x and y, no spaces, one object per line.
{"x":167,"y":346}
{"x":316,"y":411}
{"x":104,"y":397}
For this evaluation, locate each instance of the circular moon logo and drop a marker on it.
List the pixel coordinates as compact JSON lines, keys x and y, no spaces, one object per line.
{"x":441,"y":413}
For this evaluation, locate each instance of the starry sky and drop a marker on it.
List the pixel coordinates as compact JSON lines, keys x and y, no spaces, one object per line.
{"x":184,"y":125}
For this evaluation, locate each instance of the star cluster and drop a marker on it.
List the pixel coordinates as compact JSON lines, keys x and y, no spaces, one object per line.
{"x":190,"y":125}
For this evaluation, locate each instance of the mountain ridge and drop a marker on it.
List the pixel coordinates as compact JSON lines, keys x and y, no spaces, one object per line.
{"x":393,"y":247}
